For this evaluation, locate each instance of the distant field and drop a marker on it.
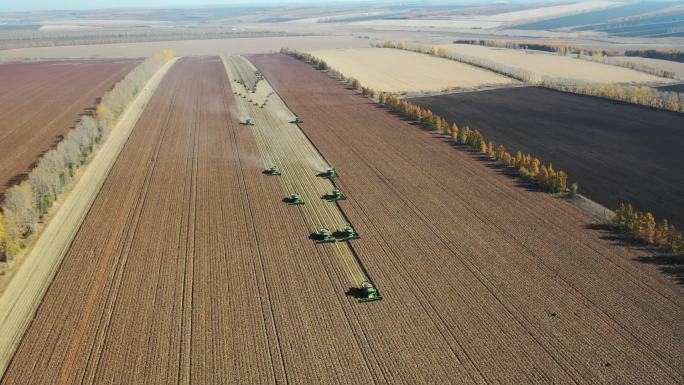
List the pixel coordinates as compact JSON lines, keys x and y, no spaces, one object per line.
{"x":184,"y":47}
{"x":395,"y":70}
{"x":42,"y":101}
{"x":494,"y":20}
{"x":617,"y":152}
{"x":545,"y":64}
{"x":595,"y":17}
{"x":672,"y":66}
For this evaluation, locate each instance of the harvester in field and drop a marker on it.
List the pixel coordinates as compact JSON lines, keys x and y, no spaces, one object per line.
{"x":346,"y":234}
{"x":272,"y":171}
{"x":247,"y":122}
{"x":297,"y":120}
{"x":335,"y":195}
{"x":324,"y":236}
{"x":329,"y":173}
{"x":368,"y":292}
{"x":295,"y":199}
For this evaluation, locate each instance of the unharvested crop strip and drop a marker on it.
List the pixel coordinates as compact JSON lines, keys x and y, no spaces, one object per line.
{"x":283,"y":144}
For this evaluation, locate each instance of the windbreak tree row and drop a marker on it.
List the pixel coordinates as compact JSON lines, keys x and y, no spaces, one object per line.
{"x":645,"y":96}
{"x":26,"y":203}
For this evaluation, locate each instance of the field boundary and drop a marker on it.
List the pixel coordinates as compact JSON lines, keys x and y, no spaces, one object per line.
{"x":23,"y":295}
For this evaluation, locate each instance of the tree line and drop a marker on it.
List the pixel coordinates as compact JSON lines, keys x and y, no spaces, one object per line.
{"x":664,"y":54}
{"x":641,"y":226}
{"x":502,"y":69}
{"x":26,"y":203}
{"x":526,"y":166}
{"x":645,"y":96}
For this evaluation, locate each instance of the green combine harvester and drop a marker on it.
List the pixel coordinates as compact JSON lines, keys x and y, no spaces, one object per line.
{"x":335,"y":195}
{"x":324,"y":236}
{"x":347,"y":234}
{"x":247,"y":122}
{"x":329,"y":173}
{"x":295,"y":199}
{"x":296,"y":120}
{"x":272,"y":171}
{"x":368,"y":293}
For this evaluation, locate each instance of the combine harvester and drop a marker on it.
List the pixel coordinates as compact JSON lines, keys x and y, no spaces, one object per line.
{"x":247,"y":122}
{"x":286,"y":145}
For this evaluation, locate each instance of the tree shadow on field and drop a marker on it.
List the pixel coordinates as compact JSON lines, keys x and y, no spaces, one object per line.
{"x":669,"y":264}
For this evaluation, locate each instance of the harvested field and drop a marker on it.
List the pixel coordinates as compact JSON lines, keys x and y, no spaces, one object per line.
{"x":184,"y":47}
{"x":617,"y":152}
{"x":509,"y":285}
{"x":392,"y":70}
{"x":200,"y":274}
{"x":542,"y":64}
{"x":42,"y":101}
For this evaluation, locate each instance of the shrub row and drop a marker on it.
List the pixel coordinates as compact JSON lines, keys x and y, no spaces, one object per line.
{"x":645,"y":96}
{"x":27,"y":202}
{"x":643,"y":227}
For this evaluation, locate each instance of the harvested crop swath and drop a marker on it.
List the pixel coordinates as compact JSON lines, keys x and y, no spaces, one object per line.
{"x":282,"y":144}
{"x":42,"y":101}
{"x":513,"y":284}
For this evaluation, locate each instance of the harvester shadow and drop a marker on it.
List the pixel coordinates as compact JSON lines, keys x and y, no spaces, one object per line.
{"x":671,"y":265}
{"x":355,"y":293}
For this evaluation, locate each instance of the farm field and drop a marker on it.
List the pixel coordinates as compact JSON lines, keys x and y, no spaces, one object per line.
{"x":183,"y":47}
{"x":201,"y":273}
{"x":616,"y":152}
{"x":667,"y":65}
{"x":541,"y":64}
{"x":514,"y":280}
{"x":42,"y":101}
{"x":392,"y":70}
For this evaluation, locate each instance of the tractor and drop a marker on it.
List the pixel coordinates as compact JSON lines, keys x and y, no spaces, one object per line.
{"x":335,"y":195}
{"x":324,"y":236}
{"x":368,"y":292}
{"x":297,"y":120}
{"x":346,"y":234}
{"x":295,"y":199}
{"x":272,"y":171}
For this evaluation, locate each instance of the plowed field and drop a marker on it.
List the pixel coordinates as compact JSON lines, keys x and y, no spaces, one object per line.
{"x":509,"y":285}
{"x":42,"y":101}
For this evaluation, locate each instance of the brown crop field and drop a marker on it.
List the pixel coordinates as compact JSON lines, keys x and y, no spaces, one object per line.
{"x":42,"y":101}
{"x":617,"y":152}
{"x":511,"y":285}
{"x":189,"y":268}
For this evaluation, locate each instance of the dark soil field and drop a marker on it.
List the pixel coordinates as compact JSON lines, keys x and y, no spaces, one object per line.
{"x":616,"y":152}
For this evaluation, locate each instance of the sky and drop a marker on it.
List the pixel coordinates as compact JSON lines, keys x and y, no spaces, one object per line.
{"x":37,"y":5}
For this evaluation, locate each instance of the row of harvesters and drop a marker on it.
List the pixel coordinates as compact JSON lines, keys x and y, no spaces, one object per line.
{"x":367,"y":291}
